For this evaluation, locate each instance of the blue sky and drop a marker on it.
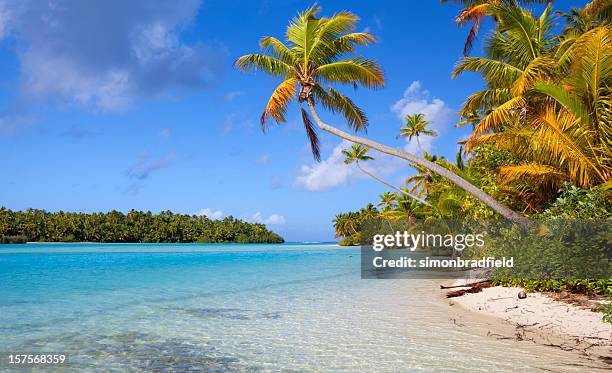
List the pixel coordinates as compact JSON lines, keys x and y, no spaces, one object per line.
{"x":121,"y":105}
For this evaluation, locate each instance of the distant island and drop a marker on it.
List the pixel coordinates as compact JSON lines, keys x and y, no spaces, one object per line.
{"x":133,"y":227}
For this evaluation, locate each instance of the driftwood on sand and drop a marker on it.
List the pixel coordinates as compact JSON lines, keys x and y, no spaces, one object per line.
{"x":472,"y":288}
{"x":464,"y":285}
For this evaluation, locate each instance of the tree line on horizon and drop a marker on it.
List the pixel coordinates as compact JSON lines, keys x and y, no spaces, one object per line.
{"x":133,"y":227}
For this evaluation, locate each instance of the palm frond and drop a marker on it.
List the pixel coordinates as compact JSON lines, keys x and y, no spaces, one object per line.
{"x":367,"y":72}
{"x":313,"y":138}
{"x":301,"y":33}
{"x":328,"y":30}
{"x":537,"y":173}
{"x":278,"y":102}
{"x":591,"y":68}
{"x":473,"y":14}
{"x":485,"y":100}
{"x":262,"y":62}
{"x":540,"y":69}
{"x":277,"y":48}
{"x":566,"y":99}
{"x":492,"y":70}
{"x":504,"y":114}
{"x":336,"y":102}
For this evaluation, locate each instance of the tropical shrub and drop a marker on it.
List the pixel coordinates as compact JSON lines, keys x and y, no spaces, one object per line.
{"x":606,"y":309}
{"x":578,"y":203}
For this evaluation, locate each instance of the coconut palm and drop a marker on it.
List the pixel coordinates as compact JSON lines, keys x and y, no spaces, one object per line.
{"x":553,"y":114}
{"x":422,"y":180}
{"x":342,"y":225}
{"x":519,"y":55}
{"x":369,"y":212}
{"x":407,"y":210}
{"x":416,"y":126}
{"x":313,"y":58}
{"x":387,"y":200}
{"x":358,"y":153}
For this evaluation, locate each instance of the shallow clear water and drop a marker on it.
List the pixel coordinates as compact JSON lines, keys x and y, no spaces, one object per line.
{"x":237,"y":308}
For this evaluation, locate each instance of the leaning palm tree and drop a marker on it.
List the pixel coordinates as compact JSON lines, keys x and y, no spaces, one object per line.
{"x":416,"y":126}
{"x":358,"y":153}
{"x":313,"y":58}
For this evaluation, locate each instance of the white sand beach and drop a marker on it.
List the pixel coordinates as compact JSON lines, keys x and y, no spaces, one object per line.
{"x":540,"y":319}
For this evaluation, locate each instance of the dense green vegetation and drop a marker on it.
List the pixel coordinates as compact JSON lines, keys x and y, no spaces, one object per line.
{"x":542,"y":127}
{"x":135,"y":226}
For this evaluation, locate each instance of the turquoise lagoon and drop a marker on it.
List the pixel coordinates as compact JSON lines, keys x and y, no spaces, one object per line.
{"x":237,"y":308}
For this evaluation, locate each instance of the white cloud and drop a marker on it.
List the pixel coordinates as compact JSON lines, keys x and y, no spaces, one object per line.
{"x":209,"y":213}
{"x":108,"y":55}
{"x":274,"y":219}
{"x":417,"y":100}
{"x":332,"y":171}
{"x":328,"y":173}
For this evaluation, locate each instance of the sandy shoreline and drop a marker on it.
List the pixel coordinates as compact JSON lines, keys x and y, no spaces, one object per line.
{"x":542,"y":320}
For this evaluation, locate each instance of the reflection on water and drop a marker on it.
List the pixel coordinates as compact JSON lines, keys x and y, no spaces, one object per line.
{"x":240,"y":309}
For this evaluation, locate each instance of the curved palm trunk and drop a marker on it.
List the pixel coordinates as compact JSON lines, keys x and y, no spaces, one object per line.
{"x":457,"y":180}
{"x":391,"y":185}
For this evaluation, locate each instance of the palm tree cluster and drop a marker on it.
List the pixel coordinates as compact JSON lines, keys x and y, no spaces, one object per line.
{"x":542,"y":122}
{"x":349,"y":225}
{"x":546,"y":99}
{"x":318,"y":55}
{"x":542,"y":119}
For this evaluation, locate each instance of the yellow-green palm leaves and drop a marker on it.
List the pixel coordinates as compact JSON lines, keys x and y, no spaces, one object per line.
{"x":421,"y":182}
{"x":547,"y":101}
{"x":356,"y":153}
{"x":315,"y":55}
{"x":387,"y":200}
{"x":474,"y":11}
{"x":518,"y":57}
{"x":415,"y":126}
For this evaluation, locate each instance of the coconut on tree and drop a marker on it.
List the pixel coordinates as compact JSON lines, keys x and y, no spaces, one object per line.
{"x":314,"y":58}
